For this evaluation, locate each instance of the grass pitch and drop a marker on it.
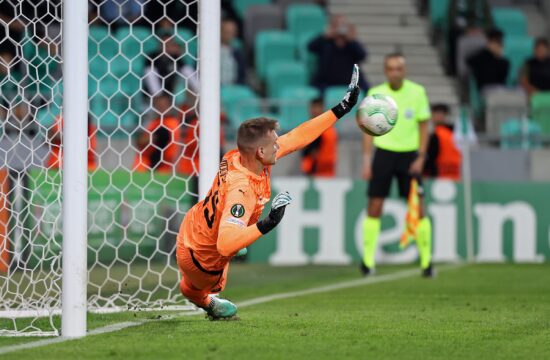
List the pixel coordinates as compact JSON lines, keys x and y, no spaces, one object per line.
{"x":475,"y":311}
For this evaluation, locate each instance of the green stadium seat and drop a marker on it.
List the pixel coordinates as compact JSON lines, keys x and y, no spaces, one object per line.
{"x":272,"y":47}
{"x":518,"y":134}
{"x":439,"y":10}
{"x":120,"y":65}
{"x":46,"y":116}
{"x":240,"y":6}
{"x":136,"y":41}
{"x":333,"y":95}
{"x":41,"y":68}
{"x":517,"y":49}
{"x":190,"y":45}
{"x":540,"y":110}
{"x":282,"y":75}
{"x":510,"y":21}
{"x":294,"y":108}
{"x":101,"y":42}
{"x":305,"y":18}
{"x":239,"y":103}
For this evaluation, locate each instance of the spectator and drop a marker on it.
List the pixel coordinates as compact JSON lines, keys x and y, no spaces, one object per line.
{"x":319,"y":158}
{"x":443,"y":156}
{"x":189,"y":161}
{"x":54,"y":161}
{"x":167,"y":70}
{"x":488,"y":66}
{"x":337,"y":50}
{"x":159,"y":144}
{"x":465,"y":17}
{"x":535,"y":75}
{"x":232,"y":59}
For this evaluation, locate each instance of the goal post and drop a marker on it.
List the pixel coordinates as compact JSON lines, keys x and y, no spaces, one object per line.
{"x":75,"y":172}
{"x":209,"y":30}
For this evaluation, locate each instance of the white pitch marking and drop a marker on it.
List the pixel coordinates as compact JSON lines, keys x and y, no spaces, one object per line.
{"x":259,"y":300}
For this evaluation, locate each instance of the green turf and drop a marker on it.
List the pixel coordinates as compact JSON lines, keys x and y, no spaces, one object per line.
{"x":481,"y":311}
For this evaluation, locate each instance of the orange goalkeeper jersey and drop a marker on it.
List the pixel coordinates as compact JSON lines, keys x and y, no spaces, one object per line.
{"x":216,"y":228}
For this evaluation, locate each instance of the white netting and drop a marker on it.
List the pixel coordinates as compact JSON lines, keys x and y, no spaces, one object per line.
{"x":142,"y":157}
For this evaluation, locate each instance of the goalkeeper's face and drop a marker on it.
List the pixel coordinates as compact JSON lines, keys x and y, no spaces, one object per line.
{"x":267,"y":149}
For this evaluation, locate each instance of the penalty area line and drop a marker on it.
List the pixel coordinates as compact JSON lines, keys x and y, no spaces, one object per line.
{"x":246,"y":303}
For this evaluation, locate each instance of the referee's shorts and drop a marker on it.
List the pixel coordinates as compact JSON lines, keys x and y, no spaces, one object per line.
{"x":385,"y":166}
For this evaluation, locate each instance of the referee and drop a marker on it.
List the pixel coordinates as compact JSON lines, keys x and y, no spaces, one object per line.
{"x":401,"y":154}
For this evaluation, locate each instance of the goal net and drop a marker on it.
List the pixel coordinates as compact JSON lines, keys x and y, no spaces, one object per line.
{"x":142,"y":156}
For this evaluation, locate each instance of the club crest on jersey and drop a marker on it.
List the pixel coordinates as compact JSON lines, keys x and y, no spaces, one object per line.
{"x":237,"y":210}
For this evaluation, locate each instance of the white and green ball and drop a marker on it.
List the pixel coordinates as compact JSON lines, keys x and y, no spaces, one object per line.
{"x":377,"y":114}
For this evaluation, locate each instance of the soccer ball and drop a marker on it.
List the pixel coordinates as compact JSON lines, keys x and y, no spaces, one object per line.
{"x":377,"y":114}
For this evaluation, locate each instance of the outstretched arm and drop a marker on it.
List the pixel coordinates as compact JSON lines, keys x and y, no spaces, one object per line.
{"x":306,"y":133}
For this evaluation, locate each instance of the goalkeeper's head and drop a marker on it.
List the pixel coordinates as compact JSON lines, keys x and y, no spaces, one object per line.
{"x":257,"y":141}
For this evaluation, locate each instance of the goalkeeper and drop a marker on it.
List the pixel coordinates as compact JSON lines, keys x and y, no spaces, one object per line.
{"x":227,"y":220}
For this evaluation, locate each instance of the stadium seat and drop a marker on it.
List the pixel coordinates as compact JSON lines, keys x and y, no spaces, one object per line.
{"x":510,"y":21}
{"x":136,"y":41}
{"x":261,"y":18}
{"x":502,"y":104}
{"x":520,"y":134}
{"x":517,"y":49}
{"x":284,"y":4}
{"x":304,"y":18}
{"x":239,"y":103}
{"x":333,"y":95}
{"x":101,"y":42}
{"x":96,"y":34}
{"x":294,"y":107}
{"x":540,"y":110}
{"x":438,"y":13}
{"x":241,"y":6}
{"x":190,"y":45}
{"x":272,"y":47}
{"x":283,"y":75}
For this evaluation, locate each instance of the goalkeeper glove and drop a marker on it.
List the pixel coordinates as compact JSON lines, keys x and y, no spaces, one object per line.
{"x":350,"y":99}
{"x":275,"y":216}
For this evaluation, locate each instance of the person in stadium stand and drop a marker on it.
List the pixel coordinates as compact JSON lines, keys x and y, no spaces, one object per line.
{"x":319,"y":157}
{"x":443,"y":156}
{"x":159,"y":144}
{"x":337,"y":50}
{"x":535,"y":75}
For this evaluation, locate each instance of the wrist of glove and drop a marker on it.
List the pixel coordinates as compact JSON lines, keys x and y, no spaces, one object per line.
{"x":276,"y":214}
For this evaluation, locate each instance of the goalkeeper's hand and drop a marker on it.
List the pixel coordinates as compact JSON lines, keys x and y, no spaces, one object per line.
{"x":350,"y":99}
{"x":275,"y":216}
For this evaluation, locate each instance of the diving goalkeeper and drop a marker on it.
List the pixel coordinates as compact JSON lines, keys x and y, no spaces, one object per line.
{"x":227,"y":220}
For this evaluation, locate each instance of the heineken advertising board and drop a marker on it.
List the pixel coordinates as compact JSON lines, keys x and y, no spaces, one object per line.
{"x":132,"y":214}
{"x":323,"y":225}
